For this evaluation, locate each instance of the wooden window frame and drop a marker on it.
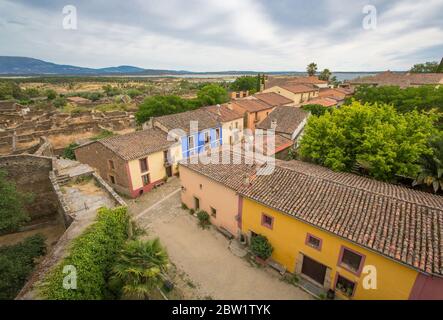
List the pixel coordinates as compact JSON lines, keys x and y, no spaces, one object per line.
{"x":111,"y":164}
{"x":338,"y":275}
{"x":308,"y":236}
{"x":344,"y":266}
{"x":263,"y":222}
{"x":145,"y":161}
{"x":149,"y":179}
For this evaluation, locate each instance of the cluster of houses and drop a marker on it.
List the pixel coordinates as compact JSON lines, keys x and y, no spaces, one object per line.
{"x":361,"y":238}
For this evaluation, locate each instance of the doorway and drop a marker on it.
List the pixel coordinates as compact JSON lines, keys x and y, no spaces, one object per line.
{"x":314,"y":270}
{"x":196,"y":203}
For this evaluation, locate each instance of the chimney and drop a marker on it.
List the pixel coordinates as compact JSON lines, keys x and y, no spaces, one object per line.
{"x":219,"y":110}
{"x":149,"y":124}
{"x":273,"y":124}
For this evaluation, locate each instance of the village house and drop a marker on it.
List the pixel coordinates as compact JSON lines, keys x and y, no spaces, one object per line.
{"x":297,"y":93}
{"x":231,"y":122}
{"x":133,"y":163}
{"x":337,"y":94}
{"x":322,"y":101}
{"x":254,"y":111}
{"x":400,"y":79}
{"x":287,"y":122}
{"x":273,"y":81}
{"x":331,"y":229}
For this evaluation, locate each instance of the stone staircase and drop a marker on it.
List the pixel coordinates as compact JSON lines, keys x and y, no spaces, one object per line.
{"x":63,"y":179}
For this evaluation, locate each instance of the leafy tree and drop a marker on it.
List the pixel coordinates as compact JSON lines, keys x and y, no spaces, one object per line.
{"x":163,"y":105}
{"x":427,"y":67}
{"x":431,"y":173}
{"x":316,"y":109}
{"x":378,"y":138}
{"x":134,"y":93}
{"x":111,"y":91}
{"x":404,"y":100}
{"x":51,"y":94}
{"x":261,"y":247}
{"x":212,"y":94}
{"x":311,"y":69}
{"x":333,"y":80}
{"x":140,"y":267}
{"x":10,"y":90}
{"x":246,"y":83}
{"x":16,"y":264}
{"x":12,"y":205}
{"x":59,"y":102}
{"x":68,"y":152}
{"x":440,"y":67}
{"x":325,"y":75}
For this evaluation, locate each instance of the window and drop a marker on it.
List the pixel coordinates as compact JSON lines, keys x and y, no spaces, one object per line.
{"x":201,"y":186}
{"x":345,"y":286}
{"x":267,"y":221}
{"x":111,"y":164}
{"x":313,"y":241}
{"x":112,"y":179}
{"x":146,"y":180}
{"x":351,"y":260}
{"x":207,"y":137}
{"x":217,"y":134}
{"x":143,"y":165}
{"x":190,"y":142}
{"x":236,"y":125}
{"x":196,"y":203}
{"x":231,"y":142}
{"x":213,"y":212}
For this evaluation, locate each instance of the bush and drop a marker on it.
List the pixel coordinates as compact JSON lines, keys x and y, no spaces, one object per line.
{"x":16,"y":264}
{"x":93,"y":255}
{"x":315,"y":109}
{"x":203,"y":219}
{"x":261,"y":247}
{"x":12,"y":205}
{"x":68,"y":152}
{"x":184,"y":206}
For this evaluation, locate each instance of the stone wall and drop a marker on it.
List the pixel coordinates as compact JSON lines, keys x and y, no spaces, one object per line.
{"x":31,"y":175}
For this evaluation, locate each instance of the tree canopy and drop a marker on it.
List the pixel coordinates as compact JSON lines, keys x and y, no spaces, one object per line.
{"x":311,"y":69}
{"x":325,"y":75}
{"x":212,"y":94}
{"x":246,"y":83}
{"x":427,"y":67}
{"x":375,"y":136}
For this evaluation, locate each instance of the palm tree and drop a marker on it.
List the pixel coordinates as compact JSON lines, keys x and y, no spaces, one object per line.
{"x":140,"y":267}
{"x":311,"y":69}
{"x":432,"y":167}
{"x":325,"y":75}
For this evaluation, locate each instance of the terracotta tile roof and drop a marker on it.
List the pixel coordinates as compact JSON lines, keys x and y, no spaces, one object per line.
{"x":252,"y":104}
{"x":230,"y":175}
{"x":402,"y":80}
{"x":225,"y":113}
{"x":137,"y":144}
{"x":182,"y":120}
{"x":338,"y":95}
{"x":298,"y":88}
{"x":288,"y":119}
{"x":325,"y":102}
{"x":273,"y":99}
{"x":403,"y":224}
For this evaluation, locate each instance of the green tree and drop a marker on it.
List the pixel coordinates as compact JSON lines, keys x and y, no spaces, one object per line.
{"x":431,"y":172}
{"x":378,"y":138}
{"x":16,"y":264}
{"x":212,"y":94}
{"x":12,"y":205}
{"x":315,"y":109}
{"x":140,"y":268}
{"x":163,"y":105}
{"x":440,"y":67}
{"x":246,"y":83}
{"x":59,"y":102}
{"x":311,"y":69}
{"x":427,"y":67}
{"x":325,"y":75}
{"x":51,"y":94}
{"x":68,"y":152}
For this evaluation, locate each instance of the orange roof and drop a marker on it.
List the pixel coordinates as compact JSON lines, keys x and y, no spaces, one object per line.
{"x":298,"y":88}
{"x":332,"y":93}
{"x":272,"y":98}
{"x":325,"y":102}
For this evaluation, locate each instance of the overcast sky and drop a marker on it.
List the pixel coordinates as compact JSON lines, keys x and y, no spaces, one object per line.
{"x":214,"y":35}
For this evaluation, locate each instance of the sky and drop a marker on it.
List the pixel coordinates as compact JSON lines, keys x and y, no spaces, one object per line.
{"x":216,"y":35}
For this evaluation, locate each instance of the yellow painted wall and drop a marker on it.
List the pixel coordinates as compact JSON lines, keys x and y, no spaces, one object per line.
{"x":156,"y":169}
{"x":297,"y":98}
{"x":394,"y":280}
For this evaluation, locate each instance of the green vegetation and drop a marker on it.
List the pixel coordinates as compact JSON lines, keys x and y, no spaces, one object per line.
{"x":379,"y":139}
{"x":431,"y":173}
{"x":311,"y":69}
{"x":427,"y":67}
{"x":315,"y":109}
{"x":51,"y":94}
{"x":261,"y":247}
{"x":140,"y":268}
{"x":16,"y":264}
{"x":246,"y":83}
{"x":103,"y":134}
{"x":204,"y":220}
{"x":404,"y":100}
{"x":163,"y":105}
{"x":93,"y":254}
{"x":12,"y":205}
{"x":59,"y":102}
{"x":325,"y":75}
{"x":68,"y":152}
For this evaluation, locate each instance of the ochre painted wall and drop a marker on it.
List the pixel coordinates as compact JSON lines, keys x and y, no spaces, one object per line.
{"x":394,"y":280}
{"x":156,"y":170}
{"x":211,"y":194}
{"x":296,"y":97}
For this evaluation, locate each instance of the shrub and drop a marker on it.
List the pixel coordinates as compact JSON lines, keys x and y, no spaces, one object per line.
{"x":203,"y":219}
{"x":93,"y":255}
{"x":12,"y":205}
{"x":184,"y":206}
{"x":68,"y":152}
{"x":261,"y":247}
{"x":16,"y":264}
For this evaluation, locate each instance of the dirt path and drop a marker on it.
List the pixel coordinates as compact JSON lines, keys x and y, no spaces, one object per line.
{"x":204,"y":254}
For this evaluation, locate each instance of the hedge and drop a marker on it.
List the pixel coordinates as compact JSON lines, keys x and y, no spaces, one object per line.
{"x":16,"y":264}
{"x":92,"y":254}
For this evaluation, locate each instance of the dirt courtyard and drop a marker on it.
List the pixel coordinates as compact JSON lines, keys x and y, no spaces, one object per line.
{"x":204,"y":255}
